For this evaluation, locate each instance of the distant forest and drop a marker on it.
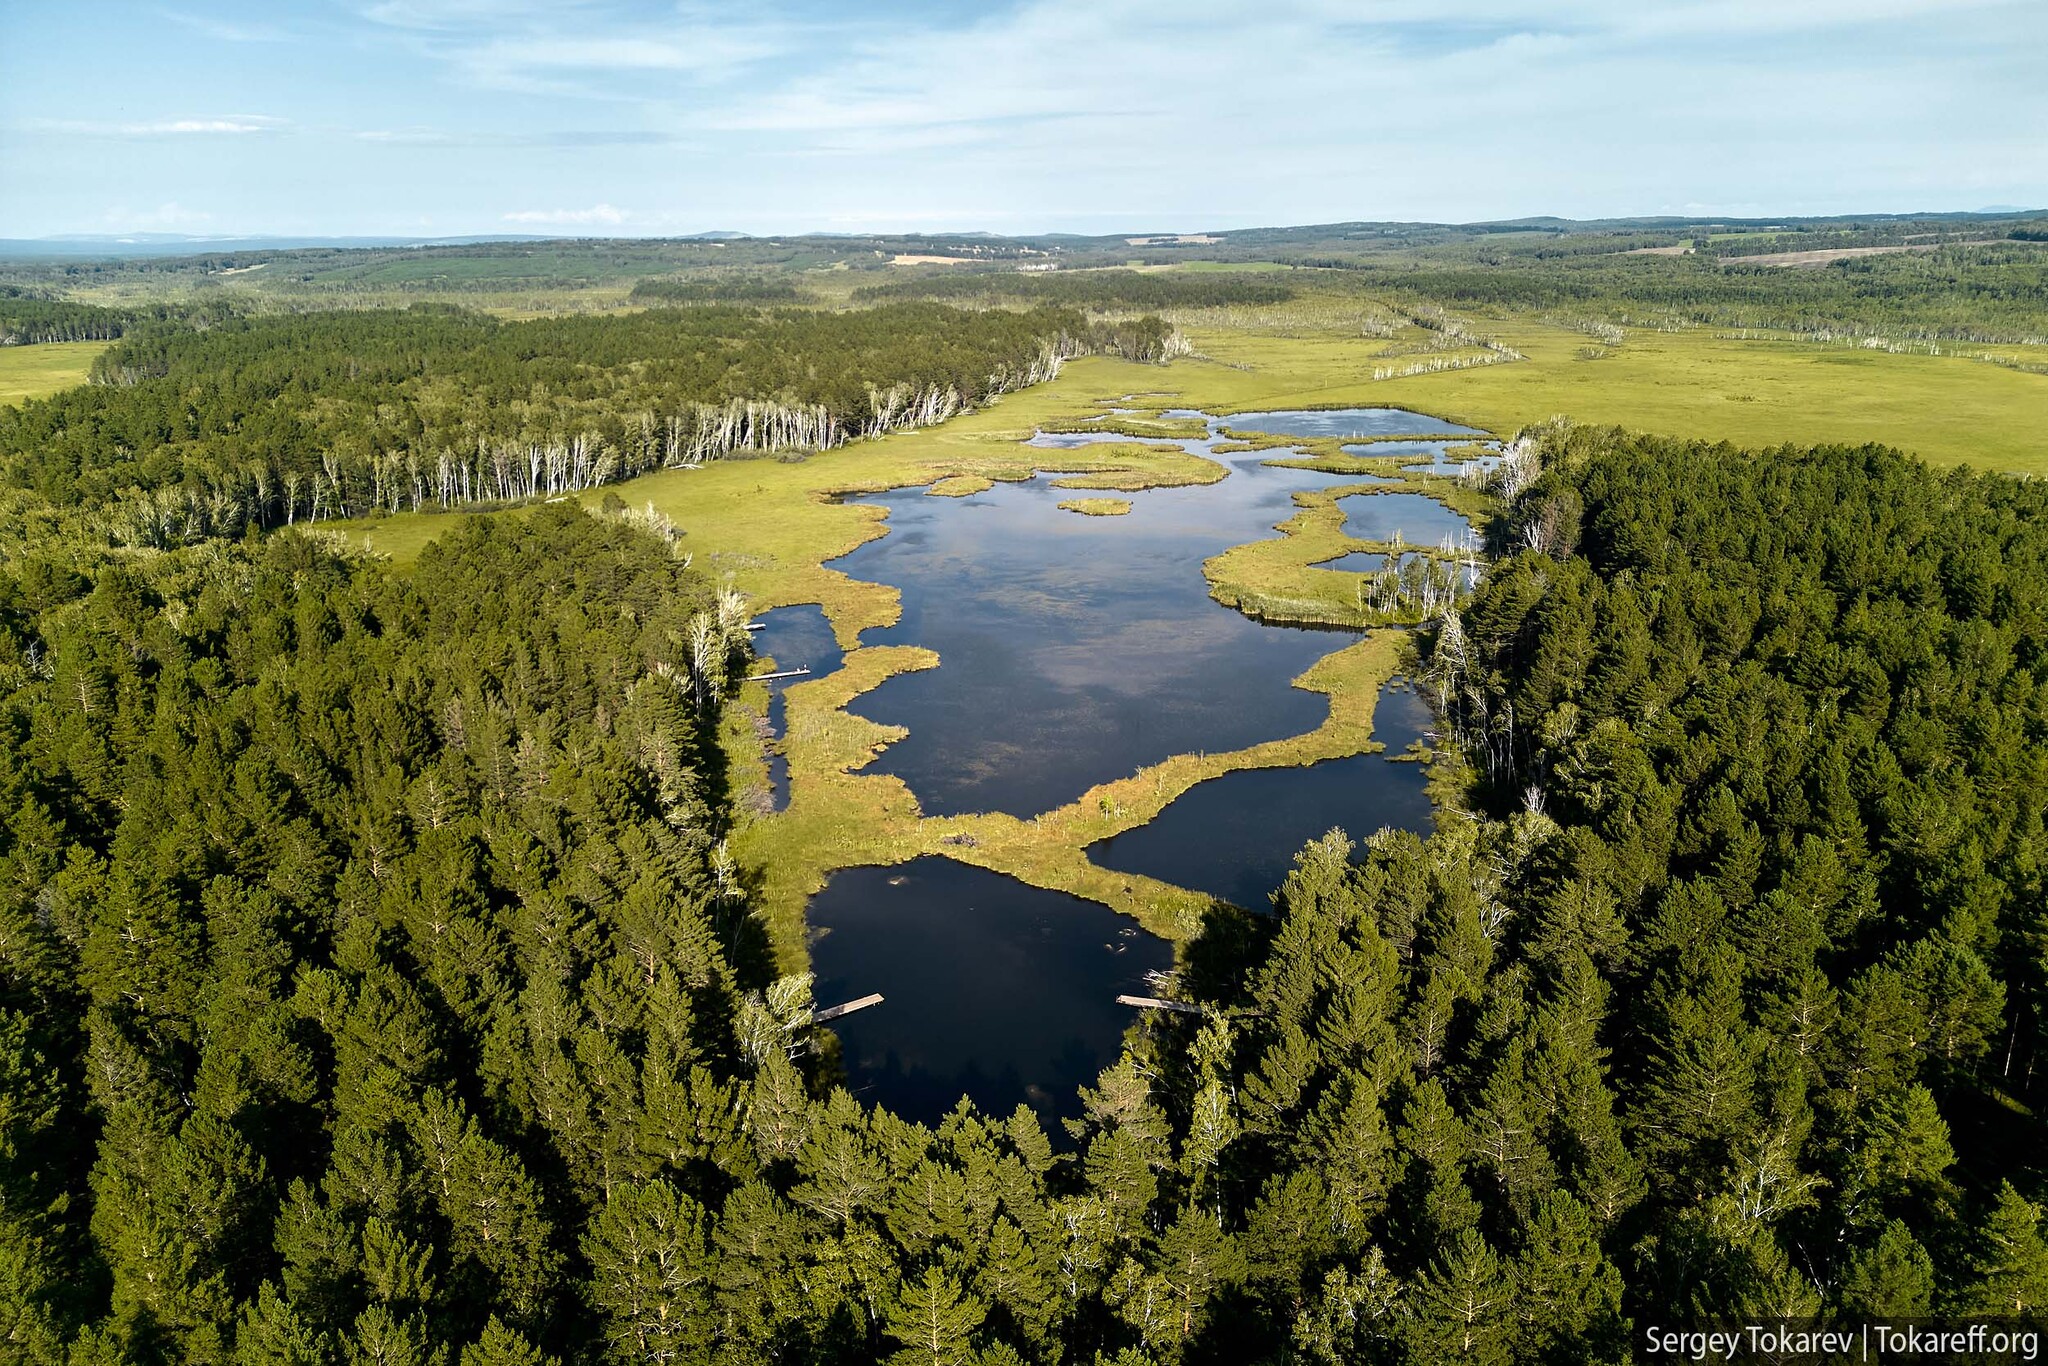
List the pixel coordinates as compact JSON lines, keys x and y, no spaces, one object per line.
{"x":1995,"y":293}
{"x":1105,"y":290}
{"x":742,"y":289}
{"x":187,"y":433}
{"x":29,"y":321}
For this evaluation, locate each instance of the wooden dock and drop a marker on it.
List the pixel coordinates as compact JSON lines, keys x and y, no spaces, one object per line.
{"x":834,"y":1012}
{"x":786,"y":673}
{"x":1154,"y":1003}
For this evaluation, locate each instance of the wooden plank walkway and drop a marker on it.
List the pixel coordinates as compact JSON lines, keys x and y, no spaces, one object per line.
{"x":1154,"y":1003}
{"x":834,"y":1012}
{"x":786,"y":673}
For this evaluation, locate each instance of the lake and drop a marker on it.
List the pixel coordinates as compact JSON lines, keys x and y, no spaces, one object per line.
{"x":1074,"y":650}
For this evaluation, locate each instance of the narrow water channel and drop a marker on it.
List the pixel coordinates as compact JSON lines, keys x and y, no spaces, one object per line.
{"x":790,"y":638}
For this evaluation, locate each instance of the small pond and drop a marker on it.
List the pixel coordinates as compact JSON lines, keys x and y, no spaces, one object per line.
{"x":1343,"y":422}
{"x":1418,"y":520}
{"x":1364,"y":561}
{"x":993,"y":989}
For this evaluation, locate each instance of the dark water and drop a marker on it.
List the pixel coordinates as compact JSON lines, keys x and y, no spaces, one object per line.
{"x":1417,"y":519}
{"x":1455,"y":468}
{"x":1362,"y":562}
{"x":993,"y":989}
{"x":791,"y":637}
{"x":1236,"y":836}
{"x":1382,"y":449}
{"x":1344,"y":422}
{"x":1074,"y":650}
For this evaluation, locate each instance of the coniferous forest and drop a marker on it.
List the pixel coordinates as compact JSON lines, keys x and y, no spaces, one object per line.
{"x":377,"y":983}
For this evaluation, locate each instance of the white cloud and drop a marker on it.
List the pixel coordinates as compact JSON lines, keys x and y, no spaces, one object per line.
{"x":184,"y":127}
{"x":165,"y":217}
{"x":434,"y":15}
{"x":603,"y":214}
{"x":701,"y":50}
{"x":227,"y":32}
{"x":408,"y":137}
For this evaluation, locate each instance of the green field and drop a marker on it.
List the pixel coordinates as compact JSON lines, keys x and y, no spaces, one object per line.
{"x":32,"y":371}
{"x":1949,"y":410}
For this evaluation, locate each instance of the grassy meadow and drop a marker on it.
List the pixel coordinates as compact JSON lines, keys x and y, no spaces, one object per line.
{"x":1949,"y":410}
{"x":32,"y":371}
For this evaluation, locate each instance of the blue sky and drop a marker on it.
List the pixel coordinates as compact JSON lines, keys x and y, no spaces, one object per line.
{"x":437,"y":117}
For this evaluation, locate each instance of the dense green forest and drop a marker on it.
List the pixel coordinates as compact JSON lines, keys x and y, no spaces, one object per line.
{"x":374,"y":986}
{"x":1983,"y":293}
{"x":1105,"y":290}
{"x":740,"y":289}
{"x":27,"y":321}
{"x":188,"y":433}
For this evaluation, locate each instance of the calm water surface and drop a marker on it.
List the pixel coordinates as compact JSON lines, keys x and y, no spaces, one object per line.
{"x":1078,"y":649}
{"x":1363,"y":561}
{"x":1235,"y":836}
{"x":1415,"y":518}
{"x":790,"y":638}
{"x":1344,"y":422}
{"x":993,"y":989}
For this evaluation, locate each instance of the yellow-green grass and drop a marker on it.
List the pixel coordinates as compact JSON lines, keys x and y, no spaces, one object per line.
{"x":35,"y":371}
{"x":1753,"y":392}
{"x":1278,"y":579}
{"x":1096,"y":507}
{"x":838,"y":817}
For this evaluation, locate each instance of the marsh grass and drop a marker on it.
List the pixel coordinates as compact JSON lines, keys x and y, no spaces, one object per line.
{"x":28,"y":372}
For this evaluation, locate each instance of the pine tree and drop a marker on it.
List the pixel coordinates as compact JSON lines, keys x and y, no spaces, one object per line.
{"x":1699,"y":1093}
{"x":383,"y":1339}
{"x":1567,"y":1295}
{"x":1459,"y":1309}
{"x":651,"y":1273}
{"x":501,"y":1346}
{"x":1015,"y":1277}
{"x":2008,"y":1273}
{"x":1193,"y":1263}
{"x":271,"y":1333}
{"x":841,"y":1176}
{"x":935,"y":1321}
{"x":1892,"y":1278}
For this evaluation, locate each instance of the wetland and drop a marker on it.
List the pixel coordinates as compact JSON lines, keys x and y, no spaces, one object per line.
{"x":1073,"y":652}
